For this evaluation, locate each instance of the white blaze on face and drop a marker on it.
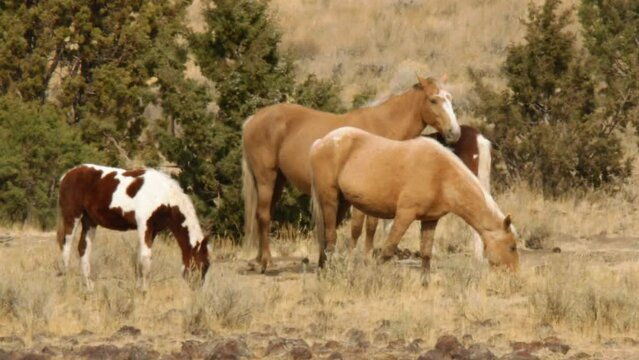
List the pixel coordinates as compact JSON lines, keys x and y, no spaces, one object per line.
{"x":455,"y":131}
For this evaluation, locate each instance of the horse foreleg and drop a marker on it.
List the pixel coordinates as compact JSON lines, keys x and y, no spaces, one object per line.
{"x":84,"y":249}
{"x":400,"y":224}
{"x":371,"y":228}
{"x":357,"y":224}
{"x":478,"y":245}
{"x":426,"y":248}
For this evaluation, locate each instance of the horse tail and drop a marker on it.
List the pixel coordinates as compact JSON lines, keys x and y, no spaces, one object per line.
{"x":485,"y":159}
{"x":60,"y":233}
{"x":249,"y":190}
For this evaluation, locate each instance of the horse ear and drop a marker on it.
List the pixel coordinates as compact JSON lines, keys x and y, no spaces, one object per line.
{"x":420,"y":81}
{"x":507,"y":222}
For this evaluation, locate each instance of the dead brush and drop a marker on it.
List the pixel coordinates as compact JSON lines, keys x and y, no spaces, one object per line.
{"x":28,"y":302}
{"x":589,"y":299}
{"x":223,"y":303}
{"x":353,"y":276}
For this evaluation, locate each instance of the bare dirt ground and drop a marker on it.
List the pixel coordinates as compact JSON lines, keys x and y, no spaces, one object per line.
{"x":575,"y":298}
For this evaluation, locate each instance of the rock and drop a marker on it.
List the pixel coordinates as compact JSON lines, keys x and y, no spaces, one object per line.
{"x":555,"y":345}
{"x":580,"y":356}
{"x":280,"y":346}
{"x":229,"y":349}
{"x":335,"y":356}
{"x":33,"y":356}
{"x":300,"y":353}
{"x":480,"y":352}
{"x":433,"y":355}
{"x":333,"y":345}
{"x":193,"y":348}
{"x":519,"y":355}
{"x":357,"y":338}
{"x":136,"y":352}
{"x":531,"y":347}
{"x":127,"y":331}
{"x":104,"y":351}
{"x":449,"y":345}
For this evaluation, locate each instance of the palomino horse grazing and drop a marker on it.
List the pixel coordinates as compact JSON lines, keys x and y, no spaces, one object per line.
{"x":416,"y":179}
{"x":143,"y":199}
{"x":473,"y":150}
{"x":277,"y":139}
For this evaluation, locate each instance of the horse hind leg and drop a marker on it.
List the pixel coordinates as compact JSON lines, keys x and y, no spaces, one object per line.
{"x":84,"y":250}
{"x":266,"y":189}
{"x":66,"y":232}
{"x":144,"y":257}
{"x":371,"y":228}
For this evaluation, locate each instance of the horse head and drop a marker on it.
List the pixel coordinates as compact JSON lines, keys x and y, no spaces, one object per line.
{"x":198,"y":262}
{"x":437,"y":108}
{"x":501,"y":247}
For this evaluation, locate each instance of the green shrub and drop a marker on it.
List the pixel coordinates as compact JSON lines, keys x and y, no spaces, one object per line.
{"x":546,"y":126}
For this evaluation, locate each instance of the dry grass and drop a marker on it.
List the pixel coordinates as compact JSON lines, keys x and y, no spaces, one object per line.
{"x":585,"y":294}
{"x":380,"y":43}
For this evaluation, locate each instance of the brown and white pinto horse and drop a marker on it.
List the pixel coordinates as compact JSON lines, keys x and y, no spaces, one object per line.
{"x":276,"y":141}
{"x":118,"y":199}
{"x":473,"y":150}
{"x":416,"y":179}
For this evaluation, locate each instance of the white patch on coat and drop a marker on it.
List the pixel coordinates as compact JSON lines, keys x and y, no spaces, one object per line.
{"x":158,"y":189}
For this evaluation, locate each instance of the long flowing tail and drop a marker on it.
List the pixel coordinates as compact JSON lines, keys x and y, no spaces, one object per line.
{"x":485,"y":160}
{"x":60,"y":225}
{"x":249,"y":190}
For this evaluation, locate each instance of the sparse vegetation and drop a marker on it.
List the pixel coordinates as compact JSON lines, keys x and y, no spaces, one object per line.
{"x":584,"y":294}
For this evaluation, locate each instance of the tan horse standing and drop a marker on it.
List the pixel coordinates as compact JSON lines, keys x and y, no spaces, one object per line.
{"x":408,"y":180}
{"x":277,"y":139}
{"x":473,"y":149}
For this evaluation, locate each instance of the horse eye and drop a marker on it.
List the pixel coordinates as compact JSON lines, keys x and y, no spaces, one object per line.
{"x":433,"y":101}
{"x":513,"y":248}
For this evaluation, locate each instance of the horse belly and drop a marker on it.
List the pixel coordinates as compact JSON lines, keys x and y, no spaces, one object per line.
{"x":114,"y":218}
{"x":370,"y":194}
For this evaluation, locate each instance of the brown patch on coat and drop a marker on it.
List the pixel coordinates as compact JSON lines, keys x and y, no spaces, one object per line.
{"x":466,"y":148}
{"x":134,"y":173}
{"x":135,"y":186}
{"x":84,"y":192}
{"x":168,"y":217}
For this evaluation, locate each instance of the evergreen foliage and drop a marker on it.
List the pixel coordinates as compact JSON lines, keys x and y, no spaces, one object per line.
{"x":545,"y":125}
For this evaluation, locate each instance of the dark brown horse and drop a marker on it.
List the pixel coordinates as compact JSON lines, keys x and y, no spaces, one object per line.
{"x":277,"y":139}
{"x":409,"y":180}
{"x":473,"y":150}
{"x":142,"y":199}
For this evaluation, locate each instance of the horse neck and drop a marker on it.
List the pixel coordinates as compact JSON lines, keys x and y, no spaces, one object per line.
{"x":476,"y":206}
{"x":397,"y":118}
{"x":186,"y":238}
